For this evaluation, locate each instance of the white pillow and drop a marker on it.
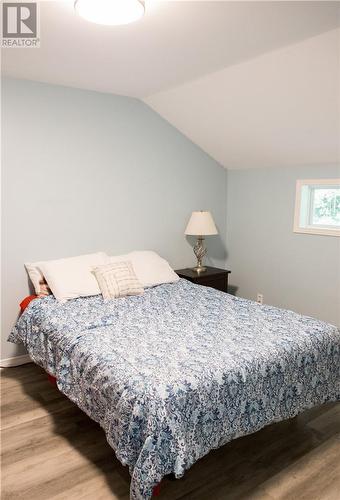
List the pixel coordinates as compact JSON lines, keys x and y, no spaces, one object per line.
{"x":150,"y":268}
{"x":71,"y":278}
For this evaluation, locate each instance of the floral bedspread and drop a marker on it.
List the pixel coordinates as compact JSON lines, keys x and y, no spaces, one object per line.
{"x":180,"y":370}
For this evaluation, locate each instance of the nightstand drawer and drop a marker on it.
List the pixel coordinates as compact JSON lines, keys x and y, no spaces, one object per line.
{"x":218,"y":284}
{"x":213,"y":277}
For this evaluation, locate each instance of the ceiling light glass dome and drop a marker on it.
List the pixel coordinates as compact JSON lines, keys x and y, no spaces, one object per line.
{"x":110,"y":12}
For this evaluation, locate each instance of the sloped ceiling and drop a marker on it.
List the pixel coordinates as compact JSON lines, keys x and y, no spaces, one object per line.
{"x":252,"y":83}
{"x":279,"y":109}
{"x":175,"y":42}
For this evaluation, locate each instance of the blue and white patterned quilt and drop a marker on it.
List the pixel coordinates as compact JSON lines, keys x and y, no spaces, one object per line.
{"x":180,"y":370}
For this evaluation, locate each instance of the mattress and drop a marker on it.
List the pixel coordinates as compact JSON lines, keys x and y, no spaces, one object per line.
{"x":180,"y":370}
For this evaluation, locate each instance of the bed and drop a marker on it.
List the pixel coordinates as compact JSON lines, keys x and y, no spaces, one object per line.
{"x":180,"y":370}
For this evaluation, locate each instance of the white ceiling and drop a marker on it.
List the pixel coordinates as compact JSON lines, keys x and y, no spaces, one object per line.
{"x":176,"y":41}
{"x":279,"y":109}
{"x":252,"y":83}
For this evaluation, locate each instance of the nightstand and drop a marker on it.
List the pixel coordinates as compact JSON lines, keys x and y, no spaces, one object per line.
{"x":213,"y":277}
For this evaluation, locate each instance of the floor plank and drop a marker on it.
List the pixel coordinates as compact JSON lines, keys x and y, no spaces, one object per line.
{"x":53,"y":451}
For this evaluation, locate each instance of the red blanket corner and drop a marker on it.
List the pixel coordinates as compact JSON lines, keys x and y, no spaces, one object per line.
{"x":26,"y":301}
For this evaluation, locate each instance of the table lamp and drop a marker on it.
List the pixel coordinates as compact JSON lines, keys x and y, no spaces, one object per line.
{"x":200,"y":224}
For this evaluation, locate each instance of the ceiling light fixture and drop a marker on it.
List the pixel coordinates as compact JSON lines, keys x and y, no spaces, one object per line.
{"x":110,"y":12}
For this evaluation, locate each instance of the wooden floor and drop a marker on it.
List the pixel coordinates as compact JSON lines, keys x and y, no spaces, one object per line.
{"x":51,"y":450}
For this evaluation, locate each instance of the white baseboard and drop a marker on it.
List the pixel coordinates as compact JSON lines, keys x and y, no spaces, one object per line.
{"x":16,"y":361}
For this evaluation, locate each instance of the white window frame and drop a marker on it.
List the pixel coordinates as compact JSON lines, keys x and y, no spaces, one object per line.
{"x":306,"y":226}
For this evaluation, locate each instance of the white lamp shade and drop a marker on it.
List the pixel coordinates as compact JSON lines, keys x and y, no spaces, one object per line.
{"x":201,"y":224}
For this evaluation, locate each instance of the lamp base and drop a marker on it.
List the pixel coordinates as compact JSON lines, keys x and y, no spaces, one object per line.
{"x":199,"y":269}
{"x":200,"y":251}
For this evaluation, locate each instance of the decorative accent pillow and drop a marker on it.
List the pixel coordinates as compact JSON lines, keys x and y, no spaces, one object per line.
{"x":37,"y":278}
{"x":117,"y":279}
{"x":150,"y":268}
{"x":72,"y":278}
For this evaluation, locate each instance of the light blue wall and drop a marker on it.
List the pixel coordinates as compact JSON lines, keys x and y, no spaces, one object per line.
{"x":294,"y":271}
{"x":84,"y":171}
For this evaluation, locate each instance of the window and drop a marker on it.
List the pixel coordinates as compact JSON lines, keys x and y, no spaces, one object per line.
{"x":317,"y":207}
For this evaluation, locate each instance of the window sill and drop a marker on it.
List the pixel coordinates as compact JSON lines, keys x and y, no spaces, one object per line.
{"x":319,"y":231}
